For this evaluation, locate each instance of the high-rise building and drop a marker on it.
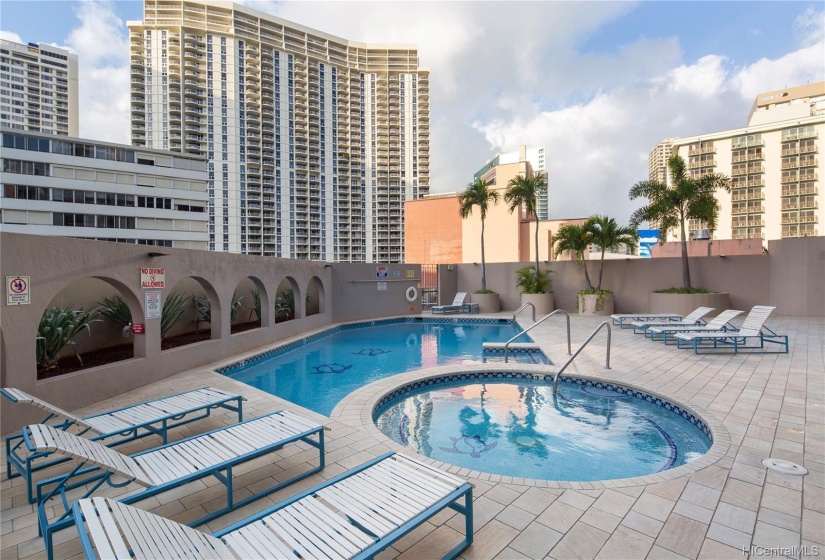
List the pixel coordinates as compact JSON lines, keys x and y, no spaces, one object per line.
{"x":537,"y":161}
{"x":69,"y":187}
{"x":657,"y":160}
{"x":313,"y":142}
{"x":773,"y":166}
{"x":38,"y":88}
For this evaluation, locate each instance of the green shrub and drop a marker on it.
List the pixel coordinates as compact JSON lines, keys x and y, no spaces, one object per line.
{"x":118,"y":311}
{"x":684,"y":291}
{"x":532,"y":283}
{"x":204,"y":308}
{"x":487,"y":291}
{"x":57,"y":328}
{"x":256,"y":305}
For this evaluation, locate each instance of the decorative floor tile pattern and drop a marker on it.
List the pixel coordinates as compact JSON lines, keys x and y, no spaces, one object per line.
{"x":769,"y":405}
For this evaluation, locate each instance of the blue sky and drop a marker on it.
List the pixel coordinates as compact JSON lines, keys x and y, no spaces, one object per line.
{"x":597,"y":83}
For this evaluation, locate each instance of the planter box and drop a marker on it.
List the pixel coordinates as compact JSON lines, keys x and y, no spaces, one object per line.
{"x":685,"y":303}
{"x":487,"y":303}
{"x":542,"y":302}
{"x":587,"y":305}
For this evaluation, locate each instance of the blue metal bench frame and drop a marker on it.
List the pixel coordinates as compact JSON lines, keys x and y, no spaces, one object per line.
{"x":738,"y":342}
{"x":644,"y":329}
{"x":27,"y":464}
{"x":222,"y":471}
{"x":622,"y":321}
{"x":453,"y":501}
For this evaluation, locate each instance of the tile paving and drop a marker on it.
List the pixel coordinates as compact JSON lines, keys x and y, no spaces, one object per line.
{"x":762,"y":405}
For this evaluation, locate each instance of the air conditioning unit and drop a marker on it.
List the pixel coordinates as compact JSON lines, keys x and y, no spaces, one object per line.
{"x":701,"y":234}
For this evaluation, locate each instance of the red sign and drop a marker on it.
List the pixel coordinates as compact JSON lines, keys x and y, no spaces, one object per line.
{"x":137,"y":328}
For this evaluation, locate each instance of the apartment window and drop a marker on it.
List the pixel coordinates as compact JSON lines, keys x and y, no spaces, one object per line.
{"x":25,"y":192}
{"x":25,"y":167}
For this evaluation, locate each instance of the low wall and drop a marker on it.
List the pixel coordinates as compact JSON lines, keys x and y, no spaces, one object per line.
{"x":363,"y":292}
{"x":55,"y":263}
{"x":791,"y":277}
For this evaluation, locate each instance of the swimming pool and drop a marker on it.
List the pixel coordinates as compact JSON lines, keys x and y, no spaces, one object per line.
{"x":319,"y":372}
{"x":512,"y":425}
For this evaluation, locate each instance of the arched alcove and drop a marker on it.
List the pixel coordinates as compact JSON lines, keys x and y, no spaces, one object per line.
{"x":287,"y":297}
{"x":315,"y":296}
{"x":106,"y":307}
{"x":249,"y":305}
{"x":190,"y":304}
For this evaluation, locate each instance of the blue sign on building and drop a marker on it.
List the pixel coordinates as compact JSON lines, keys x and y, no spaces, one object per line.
{"x":647,"y":238}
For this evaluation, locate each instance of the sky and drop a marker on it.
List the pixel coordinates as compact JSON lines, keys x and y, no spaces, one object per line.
{"x":598,"y":84}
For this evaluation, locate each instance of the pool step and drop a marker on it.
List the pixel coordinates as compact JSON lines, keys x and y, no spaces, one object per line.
{"x":513,"y":346}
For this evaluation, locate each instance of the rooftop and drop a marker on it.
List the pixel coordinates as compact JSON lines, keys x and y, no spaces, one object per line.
{"x":768,"y":405}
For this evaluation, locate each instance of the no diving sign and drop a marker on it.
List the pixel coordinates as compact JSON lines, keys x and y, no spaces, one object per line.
{"x":17,"y":290}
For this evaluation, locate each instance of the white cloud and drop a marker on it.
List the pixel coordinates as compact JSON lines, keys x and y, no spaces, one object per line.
{"x":11,"y":36}
{"x":101,"y":44}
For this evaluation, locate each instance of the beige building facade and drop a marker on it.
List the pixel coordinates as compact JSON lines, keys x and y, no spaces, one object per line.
{"x":774,"y":167}
{"x":38,"y":88}
{"x":69,"y":187}
{"x":313,"y":142}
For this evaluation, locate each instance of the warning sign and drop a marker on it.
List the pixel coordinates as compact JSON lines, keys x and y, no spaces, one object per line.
{"x":381,"y":271}
{"x":17,"y":290}
{"x":152,"y":300}
{"x":152,"y":278}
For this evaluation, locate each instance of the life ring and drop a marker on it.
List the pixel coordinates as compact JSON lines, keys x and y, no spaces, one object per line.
{"x":411,"y":294}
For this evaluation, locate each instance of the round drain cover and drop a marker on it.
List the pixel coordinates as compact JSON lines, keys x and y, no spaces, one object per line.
{"x":785,"y":467}
{"x":526,"y":441}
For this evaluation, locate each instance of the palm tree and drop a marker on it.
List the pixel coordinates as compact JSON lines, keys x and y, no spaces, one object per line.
{"x":606,"y":234}
{"x":576,"y":239}
{"x":526,"y":191}
{"x":478,"y":194}
{"x":685,"y":198}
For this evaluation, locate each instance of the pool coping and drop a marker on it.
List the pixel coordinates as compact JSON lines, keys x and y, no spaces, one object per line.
{"x":358,"y":408}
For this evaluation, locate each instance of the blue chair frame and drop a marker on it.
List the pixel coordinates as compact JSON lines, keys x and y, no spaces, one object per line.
{"x":27,"y":464}
{"x":222,"y":471}
{"x":738,"y":342}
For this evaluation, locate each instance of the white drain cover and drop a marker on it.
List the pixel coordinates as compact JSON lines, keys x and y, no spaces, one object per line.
{"x":526,"y":441}
{"x":785,"y":467}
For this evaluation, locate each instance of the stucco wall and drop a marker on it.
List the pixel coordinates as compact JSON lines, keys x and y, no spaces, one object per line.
{"x":356,"y":293}
{"x":791,"y":277}
{"x":432,"y":230}
{"x":55,"y":263}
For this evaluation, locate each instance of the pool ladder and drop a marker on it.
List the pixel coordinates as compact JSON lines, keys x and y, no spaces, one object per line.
{"x":573,"y":357}
{"x":507,"y":344}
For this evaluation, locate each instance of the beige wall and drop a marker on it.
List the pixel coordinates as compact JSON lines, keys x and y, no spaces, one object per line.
{"x":432,"y":230}
{"x":791,"y":277}
{"x":356,"y":293}
{"x":55,"y":263}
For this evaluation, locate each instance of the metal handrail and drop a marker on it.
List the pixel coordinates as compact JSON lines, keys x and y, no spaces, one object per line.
{"x":589,"y":338}
{"x":530,"y":303}
{"x":507,"y":344}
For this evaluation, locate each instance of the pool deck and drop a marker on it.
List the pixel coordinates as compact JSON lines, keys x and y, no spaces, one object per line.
{"x":766,"y":405}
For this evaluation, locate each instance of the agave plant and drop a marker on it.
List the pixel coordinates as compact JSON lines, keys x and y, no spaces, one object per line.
{"x":256,"y":305}
{"x":57,"y":328}
{"x":116,"y":309}
{"x":204,"y":308}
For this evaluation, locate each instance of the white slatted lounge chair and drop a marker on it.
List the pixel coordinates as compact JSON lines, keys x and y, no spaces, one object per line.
{"x":717,"y":324}
{"x":753,"y":328}
{"x":694,"y":318}
{"x":456,"y":307}
{"x":117,"y":426}
{"x":214,"y":453}
{"x":622,"y":319}
{"x":354,"y":515}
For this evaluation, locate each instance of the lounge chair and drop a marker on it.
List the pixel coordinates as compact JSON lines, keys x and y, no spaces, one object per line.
{"x":753,"y":327}
{"x":717,"y":324}
{"x":214,"y":453}
{"x":693,"y":318}
{"x":621,"y":319}
{"x":125,"y":424}
{"x":354,"y":515}
{"x":456,"y":307}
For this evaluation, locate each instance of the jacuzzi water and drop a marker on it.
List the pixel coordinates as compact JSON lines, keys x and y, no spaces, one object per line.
{"x":515,"y":427}
{"x":318,"y":374}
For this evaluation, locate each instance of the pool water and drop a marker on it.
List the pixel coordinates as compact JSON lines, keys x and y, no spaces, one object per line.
{"x":317,"y":375}
{"x":515,"y":427}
